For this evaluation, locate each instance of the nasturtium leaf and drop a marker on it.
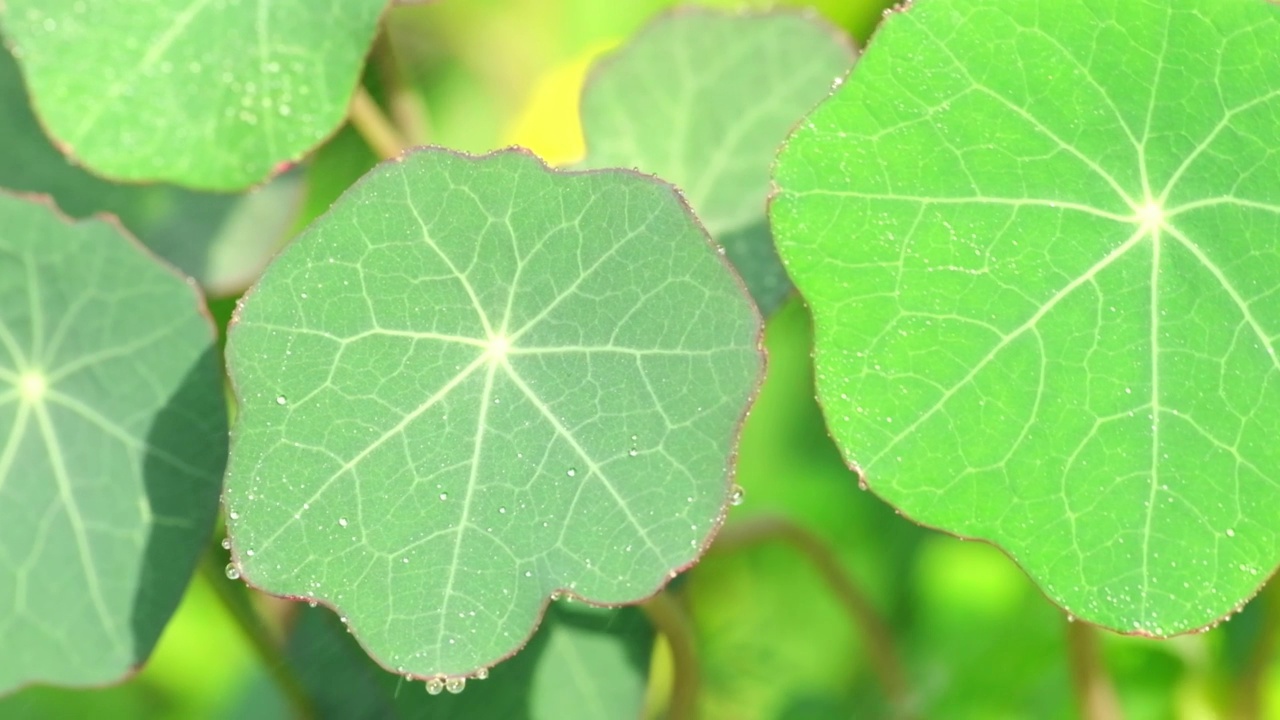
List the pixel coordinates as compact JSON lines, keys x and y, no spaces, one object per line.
{"x":211,"y":94}
{"x":703,"y":99}
{"x":1041,"y":241}
{"x":112,"y":446}
{"x":583,"y":663}
{"x":223,"y":241}
{"x":476,"y":382}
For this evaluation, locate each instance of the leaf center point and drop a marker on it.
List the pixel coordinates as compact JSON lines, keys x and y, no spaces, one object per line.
{"x":1150,"y":215}
{"x":32,"y":386}
{"x":498,"y":348}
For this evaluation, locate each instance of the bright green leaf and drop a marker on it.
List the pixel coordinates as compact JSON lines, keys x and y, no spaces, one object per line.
{"x":476,"y":382}
{"x":1040,"y":244}
{"x":112,"y":446}
{"x":213,"y":94}
{"x":703,"y":99}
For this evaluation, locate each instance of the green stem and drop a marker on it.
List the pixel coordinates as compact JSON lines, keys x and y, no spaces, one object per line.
{"x":1095,"y":695}
{"x":405,"y":103}
{"x":1251,"y":684}
{"x":372,"y":124}
{"x":669,"y":618}
{"x":234,"y":597}
{"x":875,"y":632}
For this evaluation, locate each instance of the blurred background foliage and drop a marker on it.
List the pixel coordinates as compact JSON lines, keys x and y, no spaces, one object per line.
{"x":975,"y":638}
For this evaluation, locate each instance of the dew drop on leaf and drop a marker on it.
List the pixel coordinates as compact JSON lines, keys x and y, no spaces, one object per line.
{"x":281,"y":400}
{"x":737,"y":495}
{"x":233,"y":572}
{"x":455,"y":685}
{"x":482,"y":674}
{"x":571,"y":472}
{"x":226,"y":543}
{"x":435,"y":686}
{"x":342,"y":522}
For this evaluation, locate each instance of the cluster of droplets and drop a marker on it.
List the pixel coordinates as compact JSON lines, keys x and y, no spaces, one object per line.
{"x":453,"y":685}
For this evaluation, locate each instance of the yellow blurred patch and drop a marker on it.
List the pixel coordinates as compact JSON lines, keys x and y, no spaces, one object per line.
{"x":549,"y":124}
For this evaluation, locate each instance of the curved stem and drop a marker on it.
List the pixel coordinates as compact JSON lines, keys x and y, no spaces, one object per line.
{"x":875,"y":632}
{"x":372,"y":124}
{"x":669,"y":618}
{"x":234,"y":596}
{"x":405,"y":103}
{"x":1251,"y":685}
{"x":1095,"y":695}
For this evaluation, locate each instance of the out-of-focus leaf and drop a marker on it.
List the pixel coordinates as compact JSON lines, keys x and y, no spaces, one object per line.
{"x":703,"y":99}
{"x":476,"y":382}
{"x":112,"y":446}
{"x":223,"y":241}
{"x":212,"y":95}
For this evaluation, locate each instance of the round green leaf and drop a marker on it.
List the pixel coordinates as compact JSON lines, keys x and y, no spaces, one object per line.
{"x":1040,"y":244}
{"x":476,"y":382}
{"x":202,"y":93}
{"x":112,"y":446}
{"x":703,"y":99}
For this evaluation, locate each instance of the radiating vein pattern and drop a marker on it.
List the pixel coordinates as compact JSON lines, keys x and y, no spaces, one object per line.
{"x":1046,"y":288}
{"x":112,"y":447}
{"x":475,"y":383}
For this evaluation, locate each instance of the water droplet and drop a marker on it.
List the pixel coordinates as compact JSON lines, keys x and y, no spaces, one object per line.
{"x":313,"y":603}
{"x":342,"y":522}
{"x":555,"y":595}
{"x":528,"y":573}
{"x":248,"y":553}
{"x":482,"y":674}
{"x":435,"y":686}
{"x":1231,"y":532}
{"x":444,"y":496}
{"x":571,"y":472}
{"x":633,"y":452}
{"x":736,"y":495}
{"x":456,"y":685}
{"x":502,"y":510}
{"x":233,"y":572}
{"x":226,"y":543}
{"x":233,"y":515}
{"x":281,"y":400}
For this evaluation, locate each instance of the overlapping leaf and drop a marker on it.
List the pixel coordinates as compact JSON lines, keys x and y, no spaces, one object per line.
{"x":213,"y":94}
{"x":112,"y":446}
{"x":222,"y":241}
{"x":703,"y":99}
{"x":1040,"y":244}
{"x":477,"y":382}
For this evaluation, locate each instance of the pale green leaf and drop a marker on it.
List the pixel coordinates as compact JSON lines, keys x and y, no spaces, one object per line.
{"x":112,"y":446}
{"x":703,"y":99}
{"x":213,"y":94}
{"x":477,"y":382}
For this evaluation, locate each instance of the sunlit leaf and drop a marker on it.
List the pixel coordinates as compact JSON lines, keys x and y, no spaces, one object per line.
{"x":1040,"y":244}
{"x":476,"y":382}
{"x":112,"y":446}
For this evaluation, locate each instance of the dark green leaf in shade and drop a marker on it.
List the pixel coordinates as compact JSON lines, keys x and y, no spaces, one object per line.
{"x":1039,"y":240}
{"x":476,"y":382}
{"x":211,"y":94}
{"x":112,"y":446}
{"x":583,"y":663}
{"x":223,"y":241}
{"x":703,"y":99}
